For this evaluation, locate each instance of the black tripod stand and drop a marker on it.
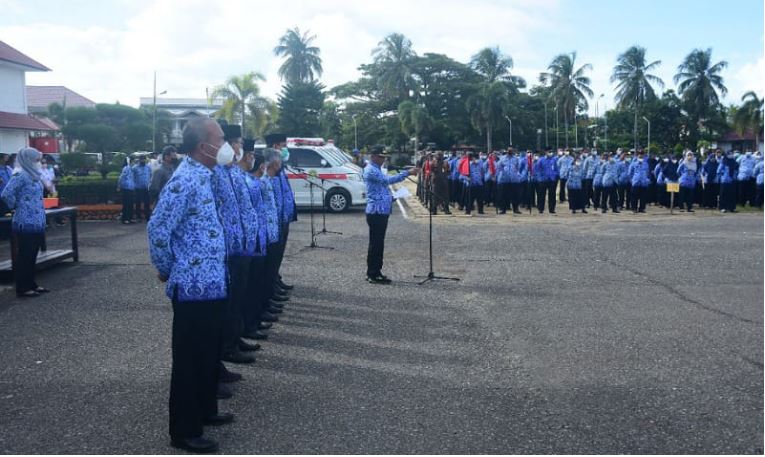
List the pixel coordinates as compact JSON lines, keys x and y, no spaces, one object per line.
{"x":324,"y":230}
{"x":431,"y":276}
{"x":311,"y":185}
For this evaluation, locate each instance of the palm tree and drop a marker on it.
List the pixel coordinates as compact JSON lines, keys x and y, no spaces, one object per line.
{"x":414,"y":119}
{"x":569,"y":88}
{"x":395,"y":57}
{"x":749,"y":116}
{"x":634,"y":82}
{"x":239,"y":93}
{"x":698,"y":82}
{"x":303,"y":61}
{"x":489,"y":103}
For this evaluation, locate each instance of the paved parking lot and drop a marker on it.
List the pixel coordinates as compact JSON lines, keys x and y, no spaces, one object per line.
{"x":598,"y":335}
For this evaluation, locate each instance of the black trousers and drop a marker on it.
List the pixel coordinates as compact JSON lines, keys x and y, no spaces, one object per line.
{"x":638,"y":197}
{"x":141,"y":197}
{"x":546,"y":187}
{"x":621,"y":197}
{"x":562,"y":192}
{"x":378,"y":225}
{"x":268,"y":281}
{"x":127,"y":205}
{"x":503,"y":196}
{"x":608,"y":198}
{"x":473,"y":196}
{"x":596,"y":191}
{"x":575,"y":199}
{"x":489,"y":192}
{"x":196,"y":355}
{"x":29,"y":245}
{"x":255,"y":301}
{"x":587,"y":191}
{"x":515,"y":189}
{"x":284,"y":234}
{"x":686,"y":197}
{"x":759,"y":196}
{"x":233,"y":321}
{"x":728,"y":196}
{"x":746,"y":191}
{"x":711,"y":191}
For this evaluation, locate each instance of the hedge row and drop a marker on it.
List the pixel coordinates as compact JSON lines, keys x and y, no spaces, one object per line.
{"x":88,"y":193}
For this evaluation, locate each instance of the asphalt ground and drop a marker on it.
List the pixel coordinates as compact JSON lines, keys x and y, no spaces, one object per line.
{"x":564,"y":335}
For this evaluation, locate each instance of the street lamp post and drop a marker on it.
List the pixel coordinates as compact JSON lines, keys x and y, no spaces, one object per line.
{"x":605,"y":118}
{"x":154,"y":117}
{"x":576,"y":133}
{"x":648,"y":147}
{"x":557,"y":130}
{"x":355,"y":133}
{"x":547,"y":139}
{"x":511,"y":129}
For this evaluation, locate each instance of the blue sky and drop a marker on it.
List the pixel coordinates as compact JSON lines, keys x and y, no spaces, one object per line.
{"x":108,"y":50}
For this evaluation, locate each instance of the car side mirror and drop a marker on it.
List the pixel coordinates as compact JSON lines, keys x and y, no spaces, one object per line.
{"x":324,"y":163}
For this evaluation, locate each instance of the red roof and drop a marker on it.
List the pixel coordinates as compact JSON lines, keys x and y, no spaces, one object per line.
{"x":16,"y":121}
{"x":734,"y":136}
{"x":12,"y":55}
{"x":39,"y":97}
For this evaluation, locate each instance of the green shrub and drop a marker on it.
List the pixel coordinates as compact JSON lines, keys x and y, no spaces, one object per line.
{"x":88,"y":191}
{"x":73,"y":161}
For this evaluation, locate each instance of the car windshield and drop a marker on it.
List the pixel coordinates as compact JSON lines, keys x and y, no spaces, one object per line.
{"x":336,"y":156}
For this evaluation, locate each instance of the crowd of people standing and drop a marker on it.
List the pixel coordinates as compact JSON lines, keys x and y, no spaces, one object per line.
{"x":618,"y":180}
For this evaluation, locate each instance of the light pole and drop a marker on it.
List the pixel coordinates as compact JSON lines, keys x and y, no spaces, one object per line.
{"x":557,"y":129}
{"x":648,"y":147}
{"x":355,"y":133}
{"x":597,"y":133}
{"x":511,"y":129}
{"x":605,"y":118}
{"x":547,"y":140}
{"x":576,"y":133}
{"x":539,"y":139}
{"x":154,"y":116}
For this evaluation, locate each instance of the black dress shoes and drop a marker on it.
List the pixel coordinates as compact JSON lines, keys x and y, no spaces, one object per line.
{"x":279,"y":291}
{"x":265,"y":326}
{"x":256,"y":335}
{"x":229,"y":376}
{"x":277,"y":297}
{"x":284,"y":286}
{"x":248,"y":347}
{"x":274,"y":310}
{"x":199,"y":445}
{"x":219,"y":419}
{"x":238,"y":357}
{"x":268,"y":317}
{"x":224,"y":393}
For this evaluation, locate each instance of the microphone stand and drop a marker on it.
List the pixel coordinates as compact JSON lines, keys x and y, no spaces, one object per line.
{"x":431,"y":276}
{"x":311,"y":185}
{"x":324,"y":230}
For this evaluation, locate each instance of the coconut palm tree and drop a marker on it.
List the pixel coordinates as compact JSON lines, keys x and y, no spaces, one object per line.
{"x":394,"y":57}
{"x":489,"y":103}
{"x":699,"y":81}
{"x":239,"y":93}
{"x":634,"y":82}
{"x":569,"y":88}
{"x":303,"y":61}
{"x":749,"y":116}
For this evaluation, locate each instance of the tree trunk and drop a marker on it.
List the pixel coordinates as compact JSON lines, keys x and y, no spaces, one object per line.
{"x":634,"y":128}
{"x":243,"y":108}
{"x":488,"y":139}
{"x":565,"y":122}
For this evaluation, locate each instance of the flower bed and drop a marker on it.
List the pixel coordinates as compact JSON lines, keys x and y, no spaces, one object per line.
{"x":98,"y":212}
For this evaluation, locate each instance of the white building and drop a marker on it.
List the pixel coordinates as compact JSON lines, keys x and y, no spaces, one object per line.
{"x":15,"y":122}
{"x":181,"y":111}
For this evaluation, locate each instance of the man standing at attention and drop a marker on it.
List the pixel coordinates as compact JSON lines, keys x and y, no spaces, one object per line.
{"x":188,"y":247}
{"x":379,"y":205}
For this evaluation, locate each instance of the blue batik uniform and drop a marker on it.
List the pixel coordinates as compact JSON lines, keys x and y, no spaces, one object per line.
{"x":5,"y":176}
{"x":639,"y":174}
{"x":758,"y":172}
{"x":476,"y":175}
{"x":564,"y":165}
{"x":25,"y":196}
{"x":590,"y":166}
{"x":141,"y":176}
{"x":610,"y":173}
{"x":379,"y":198}
{"x":271,"y":209}
{"x":709,"y":171}
{"x":186,"y":240}
{"x":623,"y":177}
{"x":746,"y":165}
{"x":127,"y":178}
{"x":503,"y":170}
{"x":229,"y":212}
{"x":454,"y":173}
{"x":657,"y":171}
{"x":597,"y":177}
{"x":575,"y":176}
{"x":687,"y":176}
{"x":258,"y":205}
{"x":289,"y":211}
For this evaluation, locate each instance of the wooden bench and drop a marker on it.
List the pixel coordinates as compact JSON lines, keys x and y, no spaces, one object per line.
{"x":46,"y":257}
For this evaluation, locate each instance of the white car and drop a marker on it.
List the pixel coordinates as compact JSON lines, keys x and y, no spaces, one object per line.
{"x":312,"y":160}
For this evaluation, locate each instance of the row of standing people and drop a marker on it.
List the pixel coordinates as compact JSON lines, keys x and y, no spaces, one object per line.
{"x":614,"y":180}
{"x":140,"y":185}
{"x":217,"y":237}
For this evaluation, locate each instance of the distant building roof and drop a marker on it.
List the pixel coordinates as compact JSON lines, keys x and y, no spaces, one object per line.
{"x":39,"y":97}
{"x":735,"y":136}
{"x":14,"y":56}
{"x":16,"y":121}
{"x":165,"y":103}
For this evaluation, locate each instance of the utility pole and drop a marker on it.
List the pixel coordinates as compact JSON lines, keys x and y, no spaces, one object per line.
{"x":547,"y":139}
{"x":511,"y":129}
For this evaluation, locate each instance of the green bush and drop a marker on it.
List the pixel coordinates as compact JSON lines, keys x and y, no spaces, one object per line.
{"x":88,"y":191}
{"x":73,"y":161}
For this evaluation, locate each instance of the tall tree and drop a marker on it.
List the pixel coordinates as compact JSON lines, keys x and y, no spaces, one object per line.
{"x":633,"y":79}
{"x":570,"y":88}
{"x":698,"y":82}
{"x":489,"y":104}
{"x":749,"y":116}
{"x":394,"y":59}
{"x":414,"y":120}
{"x":303,"y":61}
{"x":239,"y":93}
{"x":300,"y":107}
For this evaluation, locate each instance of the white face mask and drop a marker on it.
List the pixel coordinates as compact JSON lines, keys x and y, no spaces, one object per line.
{"x":38,"y":166}
{"x":224,"y":155}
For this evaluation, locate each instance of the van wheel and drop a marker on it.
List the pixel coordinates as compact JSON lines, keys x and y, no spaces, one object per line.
{"x":337,"y":200}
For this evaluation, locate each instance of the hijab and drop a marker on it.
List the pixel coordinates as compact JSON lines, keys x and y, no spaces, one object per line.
{"x":690,"y":163}
{"x":26,"y":159}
